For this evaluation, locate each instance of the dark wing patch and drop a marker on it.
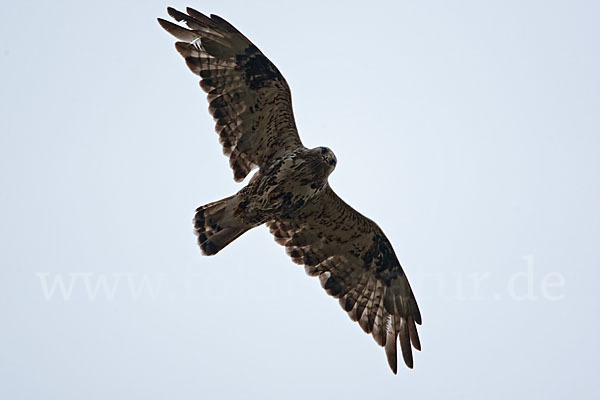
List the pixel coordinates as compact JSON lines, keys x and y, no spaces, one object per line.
{"x":248,"y":97}
{"x":355,"y":263}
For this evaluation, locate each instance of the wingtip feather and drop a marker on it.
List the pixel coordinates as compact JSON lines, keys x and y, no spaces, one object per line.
{"x":391,"y":351}
{"x":172,"y":11}
{"x":177,"y":31}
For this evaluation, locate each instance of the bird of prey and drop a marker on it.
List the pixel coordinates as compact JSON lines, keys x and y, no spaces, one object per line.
{"x":251,"y":104}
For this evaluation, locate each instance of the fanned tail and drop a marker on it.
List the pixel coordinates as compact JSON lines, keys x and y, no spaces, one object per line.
{"x":216,"y":225}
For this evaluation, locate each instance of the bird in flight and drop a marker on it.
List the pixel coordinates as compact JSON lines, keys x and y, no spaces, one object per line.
{"x":251,"y":104}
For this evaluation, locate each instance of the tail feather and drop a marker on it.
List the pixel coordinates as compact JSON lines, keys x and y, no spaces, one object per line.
{"x":216,"y":226}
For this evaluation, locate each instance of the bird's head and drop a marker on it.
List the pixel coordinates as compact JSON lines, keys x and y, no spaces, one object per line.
{"x":328,"y":158}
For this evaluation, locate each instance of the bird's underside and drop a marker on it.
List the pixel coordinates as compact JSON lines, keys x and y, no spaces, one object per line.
{"x":251,"y":104}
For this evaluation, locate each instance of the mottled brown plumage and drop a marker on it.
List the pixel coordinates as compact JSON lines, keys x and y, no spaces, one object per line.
{"x":251,"y":104}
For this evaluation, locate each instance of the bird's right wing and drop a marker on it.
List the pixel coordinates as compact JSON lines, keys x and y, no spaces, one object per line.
{"x":248,"y":96}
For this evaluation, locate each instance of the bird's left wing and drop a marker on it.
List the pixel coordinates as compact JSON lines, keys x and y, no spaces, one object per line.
{"x":355,"y":263}
{"x":248,"y":96}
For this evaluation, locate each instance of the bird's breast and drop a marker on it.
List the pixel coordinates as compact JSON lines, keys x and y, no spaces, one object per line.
{"x":286,"y":186}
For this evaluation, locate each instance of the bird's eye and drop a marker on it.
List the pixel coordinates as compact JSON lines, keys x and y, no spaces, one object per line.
{"x":323,"y":150}
{"x":331,"y":162}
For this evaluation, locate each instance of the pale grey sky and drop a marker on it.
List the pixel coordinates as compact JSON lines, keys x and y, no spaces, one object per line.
{"x":469,"y":130}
